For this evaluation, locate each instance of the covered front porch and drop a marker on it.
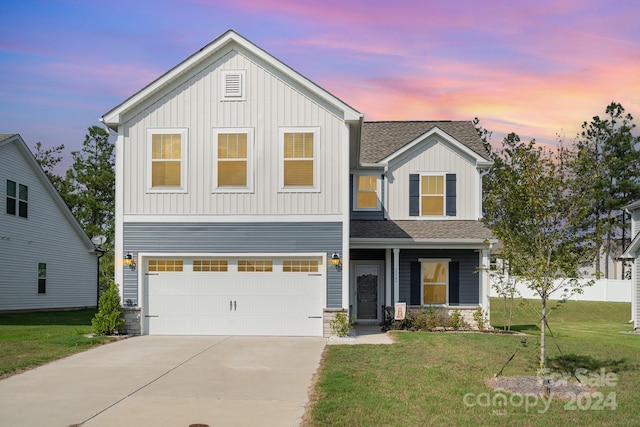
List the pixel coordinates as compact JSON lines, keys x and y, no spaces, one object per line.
{"x":393,"y":262}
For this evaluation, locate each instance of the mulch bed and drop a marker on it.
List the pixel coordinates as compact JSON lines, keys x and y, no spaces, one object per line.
{"x":530,"y":385}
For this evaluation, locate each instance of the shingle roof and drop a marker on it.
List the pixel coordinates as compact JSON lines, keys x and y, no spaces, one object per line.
{"x":437,"y":230}
{"x":4,"y":136}
{"x":380,"y":139}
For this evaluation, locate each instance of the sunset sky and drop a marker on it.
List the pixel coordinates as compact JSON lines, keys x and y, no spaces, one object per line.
{"x":539,"y":68}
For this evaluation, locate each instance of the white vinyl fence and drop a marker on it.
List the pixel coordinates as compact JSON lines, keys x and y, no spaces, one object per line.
{"x":601,"y":290}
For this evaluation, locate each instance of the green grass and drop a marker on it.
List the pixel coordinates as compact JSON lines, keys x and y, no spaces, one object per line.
{"x":424,"y":377}
{"x":31,"y":339}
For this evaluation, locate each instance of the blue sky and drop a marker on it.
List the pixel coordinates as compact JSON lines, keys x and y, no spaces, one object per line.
{"x":536,"y":68}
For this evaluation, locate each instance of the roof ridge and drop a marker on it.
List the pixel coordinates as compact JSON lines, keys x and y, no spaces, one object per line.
{"x":415,"y":121}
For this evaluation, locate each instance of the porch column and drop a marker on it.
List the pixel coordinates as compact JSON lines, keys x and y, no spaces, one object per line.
{"x":396,"y":275}
{"x":387,"y":277}
{"x":485,"y":296}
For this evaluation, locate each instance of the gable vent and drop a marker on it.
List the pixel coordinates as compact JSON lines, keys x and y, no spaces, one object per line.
{"x":233,"y":85}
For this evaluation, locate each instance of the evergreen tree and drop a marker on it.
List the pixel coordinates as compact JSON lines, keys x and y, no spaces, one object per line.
{"x":90,"y":193}
{"x":608,"y":163}
{"x":108,"y":320}
{"x":48,"y":160}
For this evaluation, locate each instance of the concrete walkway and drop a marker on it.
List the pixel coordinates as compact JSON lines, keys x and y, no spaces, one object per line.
{"x":168,"y":381}
{"x":363,"y":334}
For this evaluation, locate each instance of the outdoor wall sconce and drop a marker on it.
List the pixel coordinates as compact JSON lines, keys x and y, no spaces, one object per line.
{"x":130,"y":261}
{"x":335,"y":260}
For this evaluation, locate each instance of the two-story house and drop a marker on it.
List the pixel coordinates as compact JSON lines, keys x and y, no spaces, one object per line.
{"x":251,"y":201}
{"x":48,"y":262}
{"x":632,"y":253}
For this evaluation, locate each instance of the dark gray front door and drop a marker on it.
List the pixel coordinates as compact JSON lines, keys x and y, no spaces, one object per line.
{"x":367,"y":292}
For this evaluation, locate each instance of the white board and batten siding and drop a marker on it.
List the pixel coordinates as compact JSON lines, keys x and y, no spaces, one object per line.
{"x":272,"y":103}
{"x":45,"y":236}
{"x":435,"y":156}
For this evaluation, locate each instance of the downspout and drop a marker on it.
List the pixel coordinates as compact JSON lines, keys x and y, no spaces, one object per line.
{"x":118,"y":243}
{"x":101,"y":253}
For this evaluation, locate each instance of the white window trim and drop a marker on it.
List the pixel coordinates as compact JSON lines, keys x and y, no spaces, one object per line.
{"x":250,"y":163}
{"x":378,"y":192}
{"x":433,"y":260}
{"x":224,"y":96}
{"x":183,"y":160}
{"x":315,"y":188}
{"x":444,"y":195}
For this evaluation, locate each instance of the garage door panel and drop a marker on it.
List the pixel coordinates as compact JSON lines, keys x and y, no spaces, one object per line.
{"x":246,"y":303}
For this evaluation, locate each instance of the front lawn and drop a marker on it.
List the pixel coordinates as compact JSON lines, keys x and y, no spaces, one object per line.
{"x":439,"y":378}
{"x":31,"y":339}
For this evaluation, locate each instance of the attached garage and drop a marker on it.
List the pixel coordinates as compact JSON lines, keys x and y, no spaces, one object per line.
{"x":234,"y":295}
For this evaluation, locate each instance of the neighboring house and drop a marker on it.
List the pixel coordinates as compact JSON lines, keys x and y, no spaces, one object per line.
{"x":633,"y":253}
{"x":240,"y":183}
{"x":47,"y":259}
{"x":619,"y":269}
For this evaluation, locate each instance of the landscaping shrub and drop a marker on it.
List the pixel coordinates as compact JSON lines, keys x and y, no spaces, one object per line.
{"x":456,"y":320}
{"x":478,"y":316}
{"x":108,"y":320}
{"x":341,"y":323}
{"x":429,"y":318}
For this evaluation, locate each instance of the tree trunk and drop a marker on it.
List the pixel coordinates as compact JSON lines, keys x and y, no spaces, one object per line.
{"x":624,"y":243}
{"x":607,"y":248}
{"x":504,"y":317}
{"x":511,"y":311}
{"x":598,"y":253}
{"x":542,"y":374}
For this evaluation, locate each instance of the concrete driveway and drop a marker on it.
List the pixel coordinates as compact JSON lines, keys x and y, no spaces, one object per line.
{"x":168,"y":381}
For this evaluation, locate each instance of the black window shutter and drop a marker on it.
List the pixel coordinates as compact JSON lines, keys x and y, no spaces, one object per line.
{"x":414,"y":194}
{"x":415,"y":282}
{"x":451,"y":194}
{"x":351,"y":180}
{"x":454,"y":283}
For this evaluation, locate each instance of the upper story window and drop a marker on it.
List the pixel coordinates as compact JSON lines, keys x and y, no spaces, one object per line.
{"x":366,"y":192}
{"x":167,"y":149}
{"x":232,"y":157}
{"x":299,"y":160}
{"x":233,"y":85}
{"x":432,"y":195}
{"x":17,"y":199}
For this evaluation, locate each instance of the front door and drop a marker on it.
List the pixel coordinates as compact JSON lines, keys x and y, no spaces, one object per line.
{"x":367,"y":279}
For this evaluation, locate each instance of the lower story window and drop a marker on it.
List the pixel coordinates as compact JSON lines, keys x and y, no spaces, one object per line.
{"x":435,"y":281}
{"x":257,"y":265}
{"x":42,"y":278}
{"x":165,"y":265}
{"x":300,"y":266}
{"x":210,"y":265}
